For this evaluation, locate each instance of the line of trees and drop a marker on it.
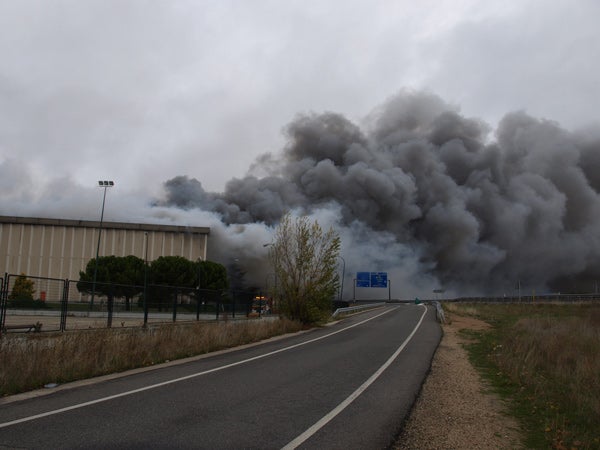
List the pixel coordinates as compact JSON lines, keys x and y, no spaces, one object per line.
{"x":126,"y":276}
{"x":303,"y":257}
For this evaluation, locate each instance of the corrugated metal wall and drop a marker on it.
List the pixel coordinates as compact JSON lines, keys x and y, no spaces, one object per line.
{"x":60,"y":249}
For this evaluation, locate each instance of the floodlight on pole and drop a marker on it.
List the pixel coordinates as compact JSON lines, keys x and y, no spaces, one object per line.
{"x":102,"y":184}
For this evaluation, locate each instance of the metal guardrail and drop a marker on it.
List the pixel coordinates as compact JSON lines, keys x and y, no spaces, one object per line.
{"x":439,"y":312}
{"x":351,"y":309}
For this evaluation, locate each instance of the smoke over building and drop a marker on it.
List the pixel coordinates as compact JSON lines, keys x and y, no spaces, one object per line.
{"x":428,"y":195}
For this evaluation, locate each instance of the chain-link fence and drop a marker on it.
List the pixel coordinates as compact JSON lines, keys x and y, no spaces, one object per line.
{"x":30,"y":303}
{"x":47,"y":304}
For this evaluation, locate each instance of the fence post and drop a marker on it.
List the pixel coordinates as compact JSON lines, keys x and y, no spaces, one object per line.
{"x":109,"y":305}
{"x":3,"y":300}
{"x":63,"y":305}
{"x":198,"y":304}
{"x":175,"y":298}
{"x":146,"y":301}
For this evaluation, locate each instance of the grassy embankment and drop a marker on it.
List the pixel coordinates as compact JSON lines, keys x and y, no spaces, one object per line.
{"x":30,"y":361}
{"x":545,"y":360}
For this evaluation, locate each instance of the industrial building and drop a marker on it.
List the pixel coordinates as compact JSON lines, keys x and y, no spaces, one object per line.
{"x":57,"y":248}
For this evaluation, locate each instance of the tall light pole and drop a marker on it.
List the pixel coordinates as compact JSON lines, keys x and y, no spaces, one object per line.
{"x":343,"y":275}
{"x":102,"y":184}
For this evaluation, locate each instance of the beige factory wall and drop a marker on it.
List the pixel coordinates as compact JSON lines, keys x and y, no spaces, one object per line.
{"x":58,"y":251}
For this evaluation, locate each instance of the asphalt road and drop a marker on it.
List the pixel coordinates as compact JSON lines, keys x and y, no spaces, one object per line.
{"x":344,"y":386}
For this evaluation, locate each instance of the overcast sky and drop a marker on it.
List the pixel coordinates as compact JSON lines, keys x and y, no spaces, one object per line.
{"x":142,"y":91}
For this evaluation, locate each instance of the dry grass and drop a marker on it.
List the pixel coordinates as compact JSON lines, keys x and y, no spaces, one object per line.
{"x":558,"y":354}
{"x":546,"y":357}
{"x":31,"y":361}
{"x":462,"y":309}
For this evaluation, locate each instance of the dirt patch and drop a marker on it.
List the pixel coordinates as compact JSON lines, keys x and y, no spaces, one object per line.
{"x":454,"y":409}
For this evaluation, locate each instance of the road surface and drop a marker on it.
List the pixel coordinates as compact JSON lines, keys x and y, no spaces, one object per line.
{"x":348,"y":385}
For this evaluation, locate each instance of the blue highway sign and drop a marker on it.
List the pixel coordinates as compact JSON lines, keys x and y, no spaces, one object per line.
{"x":379,"y":279}
{"x":371,"y":279}
{"x":363,"y":279}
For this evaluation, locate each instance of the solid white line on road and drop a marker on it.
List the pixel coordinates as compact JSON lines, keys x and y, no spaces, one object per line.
{"x":187,"y":377}
{"x":338,"y":409}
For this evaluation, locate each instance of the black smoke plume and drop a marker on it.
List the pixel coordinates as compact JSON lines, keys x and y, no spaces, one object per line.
{"x":472,"y":211}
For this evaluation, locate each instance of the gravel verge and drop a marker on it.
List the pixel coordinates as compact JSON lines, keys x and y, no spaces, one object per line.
{"x":454,"y":409}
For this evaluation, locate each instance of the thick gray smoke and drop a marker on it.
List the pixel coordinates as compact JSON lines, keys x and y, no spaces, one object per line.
{"x":432,"y":197}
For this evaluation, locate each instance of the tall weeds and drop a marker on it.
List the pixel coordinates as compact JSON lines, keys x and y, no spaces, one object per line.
{"x":559,"y":358}
{"x":31,"y":361}
{"x":546,"y":358}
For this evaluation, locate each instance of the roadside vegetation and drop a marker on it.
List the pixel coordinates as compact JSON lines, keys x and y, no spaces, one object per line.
{"x":128,"y":276}
{"x":304,"y":259}
{"x":544,"y":359}
{"x":31,"y":361}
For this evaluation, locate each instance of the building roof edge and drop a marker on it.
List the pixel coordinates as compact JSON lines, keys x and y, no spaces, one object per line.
{"x":105,"y":224}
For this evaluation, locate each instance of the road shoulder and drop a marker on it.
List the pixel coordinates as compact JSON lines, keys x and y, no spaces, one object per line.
{"x":454,"y":409}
